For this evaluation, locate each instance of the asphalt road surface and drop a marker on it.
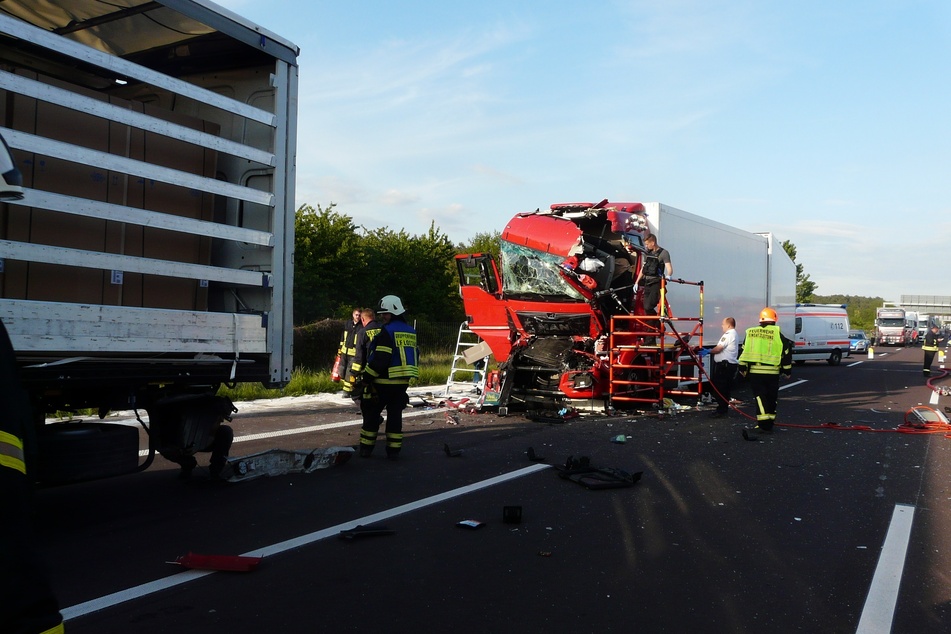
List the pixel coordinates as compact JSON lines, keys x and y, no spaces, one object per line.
{"x":812,"y":529}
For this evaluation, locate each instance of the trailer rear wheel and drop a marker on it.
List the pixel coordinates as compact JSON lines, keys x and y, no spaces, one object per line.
{"x":71,"y":452}
{"x":835,"y":357}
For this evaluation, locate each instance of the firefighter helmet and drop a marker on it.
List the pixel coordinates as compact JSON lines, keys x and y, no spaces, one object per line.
{"x":768,"y":314}
{"x":391,"y":304}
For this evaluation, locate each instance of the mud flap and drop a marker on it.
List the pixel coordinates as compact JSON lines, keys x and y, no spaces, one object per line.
{"x":505,"y":392}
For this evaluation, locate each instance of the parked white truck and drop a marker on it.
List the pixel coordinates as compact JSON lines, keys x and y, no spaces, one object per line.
{"x":892,"y":327}
{"x":150,"y":259}
{"x":558,"y":313}
{"x":924,"y":324}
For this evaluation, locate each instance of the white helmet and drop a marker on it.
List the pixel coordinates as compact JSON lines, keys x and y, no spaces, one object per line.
{"x":391,"y":304}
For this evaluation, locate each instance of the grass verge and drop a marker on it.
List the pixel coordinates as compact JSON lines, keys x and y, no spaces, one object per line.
{"x":305,"y":382}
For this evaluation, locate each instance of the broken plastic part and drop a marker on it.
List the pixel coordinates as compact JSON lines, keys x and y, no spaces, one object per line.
{"x":365,"y":531}
{"x":229,"y":563}
{"x":530,"y":452}
{"x":275,"y":462}
{"x":512,"y":514}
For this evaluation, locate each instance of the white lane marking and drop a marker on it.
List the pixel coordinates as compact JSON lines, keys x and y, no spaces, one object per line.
{"x":158,"y":585}
{"x":306,"y":430}
{"x":789,"y":385}
{"x":852,"y":365}
{"x":879,"y":607}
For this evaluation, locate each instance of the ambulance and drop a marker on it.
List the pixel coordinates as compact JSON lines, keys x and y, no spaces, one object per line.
{"x":822,"y":333}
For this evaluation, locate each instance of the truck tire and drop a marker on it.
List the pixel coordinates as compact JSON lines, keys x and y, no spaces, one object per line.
{"x":71,"y":452}
{"x":835,"y":357}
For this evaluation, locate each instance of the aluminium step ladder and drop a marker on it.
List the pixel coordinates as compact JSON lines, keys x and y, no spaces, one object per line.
{"x":473,"y":378}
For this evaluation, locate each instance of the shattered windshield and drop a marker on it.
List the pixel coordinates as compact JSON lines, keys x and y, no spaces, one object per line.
{"x":527,"y":273}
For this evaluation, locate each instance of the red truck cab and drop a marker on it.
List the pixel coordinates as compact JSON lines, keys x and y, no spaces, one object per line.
{"x":547,"y":306}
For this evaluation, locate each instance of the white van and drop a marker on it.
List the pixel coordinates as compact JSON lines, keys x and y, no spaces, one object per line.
{"x":822,"y":333}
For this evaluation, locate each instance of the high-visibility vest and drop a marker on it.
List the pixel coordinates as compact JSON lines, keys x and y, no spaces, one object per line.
{"x":763,"y":350}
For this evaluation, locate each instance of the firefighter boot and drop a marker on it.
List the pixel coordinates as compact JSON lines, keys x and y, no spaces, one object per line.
{"x":367,"y":442}
{"x":394,"y":443}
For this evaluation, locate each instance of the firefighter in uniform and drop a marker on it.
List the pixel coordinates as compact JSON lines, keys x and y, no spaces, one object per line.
{"x":361,"y":389}
{"x":392,"y":361}
{"x":767,"y":353}
{"x":930,"y":347}
{"x":27,"y":603}
{"x":348,"y":349}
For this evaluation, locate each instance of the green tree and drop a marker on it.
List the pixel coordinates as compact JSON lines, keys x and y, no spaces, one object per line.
{"x":483,"y":243}
{"x":804,"y":286}
{"x":328,"y":256}
{"x":417,"y":268}
{"x":861,"y":309}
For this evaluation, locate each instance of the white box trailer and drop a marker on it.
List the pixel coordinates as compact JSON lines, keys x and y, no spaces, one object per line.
{"x":151,"y":255}
{"x":742,"y":272}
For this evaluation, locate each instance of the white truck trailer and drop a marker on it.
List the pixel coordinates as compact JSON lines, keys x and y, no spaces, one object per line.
{"x":742,"y":272}
{"x":892,"y":327}
{"x":150,"y":258}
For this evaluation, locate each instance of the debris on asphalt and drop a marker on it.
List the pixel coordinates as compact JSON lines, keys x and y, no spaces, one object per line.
{"x":512,"y":514}
{"x":452,"y":453}
{"x":590,"y":477}
{"x":225,"y":563}
{"x":374,"y":530}
{"x":470,"y":524}
{"x":530,"y":452}
{"x":747,"y":435}
{"x":275,"y":462}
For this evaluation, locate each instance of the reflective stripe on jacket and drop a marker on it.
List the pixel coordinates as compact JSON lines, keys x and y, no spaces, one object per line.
{"x":364,"y":336}
{"x":11,"y":452}
{"x":394,"y":355}
{"x":350,"y":338}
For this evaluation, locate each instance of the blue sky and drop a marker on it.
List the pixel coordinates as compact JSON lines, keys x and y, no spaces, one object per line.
{"x":826,"y":123}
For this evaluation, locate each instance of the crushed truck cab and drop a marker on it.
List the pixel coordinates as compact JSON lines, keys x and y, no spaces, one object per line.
{"x":549,"y":306}
{"x":564,"y":320}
